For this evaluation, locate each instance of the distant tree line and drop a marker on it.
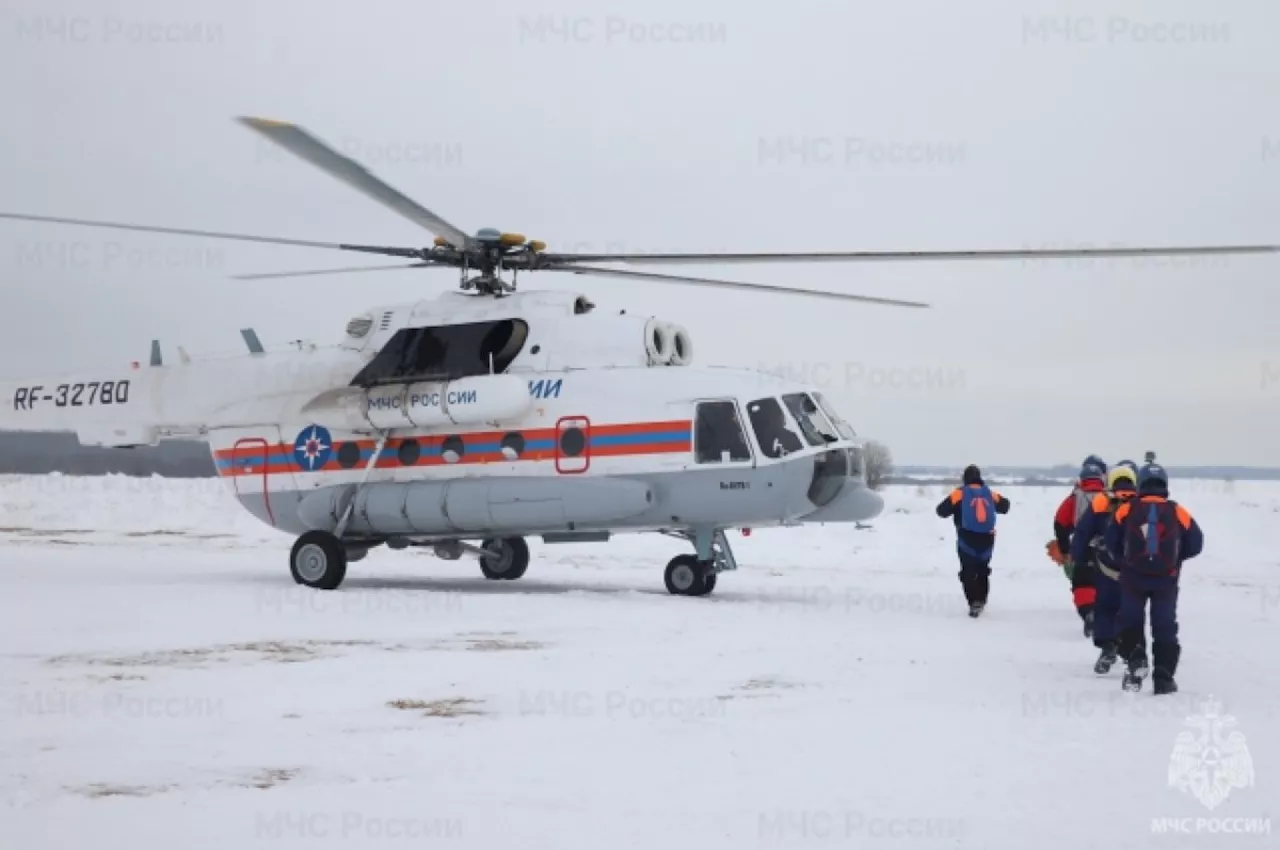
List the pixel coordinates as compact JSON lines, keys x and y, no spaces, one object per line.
{"x":40,"y":454}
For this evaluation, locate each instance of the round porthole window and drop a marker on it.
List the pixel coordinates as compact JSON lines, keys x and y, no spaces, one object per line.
{"x":348,"y":455}
{"x":452,"y":449}
{"x":572,"y":442}
{"x":512,"y":445}
{"x":409,"y":452}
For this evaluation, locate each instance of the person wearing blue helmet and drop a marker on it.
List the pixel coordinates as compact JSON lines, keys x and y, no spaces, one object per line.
{"x":1151,"y":537}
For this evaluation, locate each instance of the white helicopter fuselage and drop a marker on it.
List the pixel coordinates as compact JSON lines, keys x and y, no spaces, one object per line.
{"x":583,"y":425}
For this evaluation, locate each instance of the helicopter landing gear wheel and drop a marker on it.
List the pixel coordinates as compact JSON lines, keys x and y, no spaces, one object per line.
{"x":687,"y":576}
{"x":318,"y":560}
{"x":510,"y":560}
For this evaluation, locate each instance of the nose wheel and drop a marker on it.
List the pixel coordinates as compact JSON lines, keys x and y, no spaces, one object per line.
{"x":695,"y":575}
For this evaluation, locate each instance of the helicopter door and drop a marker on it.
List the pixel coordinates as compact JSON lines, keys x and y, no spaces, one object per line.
{"x":250,"y":459}
{"x":573,"y":444}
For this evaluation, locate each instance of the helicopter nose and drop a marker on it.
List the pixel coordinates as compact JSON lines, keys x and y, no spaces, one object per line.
{"x":855,"y":503}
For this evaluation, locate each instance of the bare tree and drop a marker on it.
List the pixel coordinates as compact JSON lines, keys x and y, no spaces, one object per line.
{"x":879,"y":463}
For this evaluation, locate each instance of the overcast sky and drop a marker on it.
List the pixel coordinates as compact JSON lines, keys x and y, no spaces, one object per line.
{"x":725,"y":126}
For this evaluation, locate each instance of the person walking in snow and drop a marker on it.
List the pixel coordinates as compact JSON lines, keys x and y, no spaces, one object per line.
{"x":973,"y":507}
{"x":1091,"y":482}
{"x":1088,"y":547}
{"x":1151,"y":537}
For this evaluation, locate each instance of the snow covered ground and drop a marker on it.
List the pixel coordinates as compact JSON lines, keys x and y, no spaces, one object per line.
{"x":165,"y":685}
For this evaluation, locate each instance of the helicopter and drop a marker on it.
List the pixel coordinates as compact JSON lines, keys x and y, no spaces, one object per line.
{"x":467,"y":423}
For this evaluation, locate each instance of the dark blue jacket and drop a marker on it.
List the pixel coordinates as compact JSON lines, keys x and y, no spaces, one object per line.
{"x":1190,"y":546}
{"x":1094,"y":523}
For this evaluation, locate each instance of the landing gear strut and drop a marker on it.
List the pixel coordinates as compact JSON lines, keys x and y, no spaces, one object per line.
{"x":695,"y":575}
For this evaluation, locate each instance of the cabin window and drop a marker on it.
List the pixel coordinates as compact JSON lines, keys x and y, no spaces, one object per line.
{"x":772,"y":432}
{"x":409,"y":452}
{"x":445,"y":353}
{"x":512,"y":445}
{"x":453,"y":448}
{"x":718,"y":436}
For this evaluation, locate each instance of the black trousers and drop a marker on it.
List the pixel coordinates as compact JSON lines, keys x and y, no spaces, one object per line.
{"x":975,"y":577}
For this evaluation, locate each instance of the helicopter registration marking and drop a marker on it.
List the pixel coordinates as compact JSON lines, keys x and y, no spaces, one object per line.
{"x":72,"y":395}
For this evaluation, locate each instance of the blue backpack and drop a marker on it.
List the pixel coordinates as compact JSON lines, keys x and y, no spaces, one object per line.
{"x":978,"y":510}
{"x":1152,"y":538}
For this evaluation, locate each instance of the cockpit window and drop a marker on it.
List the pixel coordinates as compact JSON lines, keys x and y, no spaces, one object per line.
{"x":770,"y":425}
{"x":843,"y":428}
{"x":817,"y":430}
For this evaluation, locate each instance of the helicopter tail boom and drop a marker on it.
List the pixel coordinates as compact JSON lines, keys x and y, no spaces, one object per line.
{"x":146,"y":404}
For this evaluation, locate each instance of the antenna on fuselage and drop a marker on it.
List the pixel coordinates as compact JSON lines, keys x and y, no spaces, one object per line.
{"x":156,"y":358}
{"x":251,"y":340}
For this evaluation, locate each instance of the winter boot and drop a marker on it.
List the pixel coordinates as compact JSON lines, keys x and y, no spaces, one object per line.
{"x":1107,"y":658}
{"x":1086,"y":614}
{"x":1165,"y":657}
{"x":975,"y":608}
{"x":1133,"y":677}
{"x":1131,"y":646}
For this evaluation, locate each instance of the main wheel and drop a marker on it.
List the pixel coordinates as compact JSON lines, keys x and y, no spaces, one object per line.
{"x":318,"y":560}
{"x":511,"y":560}
{"x":687,"y":576}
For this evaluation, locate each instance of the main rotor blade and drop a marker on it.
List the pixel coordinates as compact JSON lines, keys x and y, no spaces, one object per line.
{"x":313,"y":272}
{"x":905,"y":256}
{"x":729,"y":284}
{"x":177,"y":231}
{"x":302,"y":144}
{"x":408,"y":253}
